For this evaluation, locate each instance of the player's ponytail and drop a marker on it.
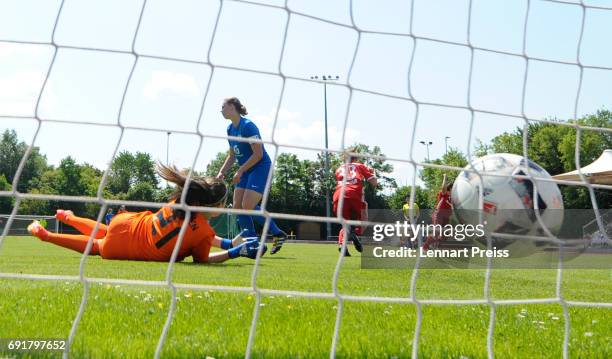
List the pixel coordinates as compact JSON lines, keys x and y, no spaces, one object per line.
{"x":203,"y":191}
{"x":237,"y":105}
{"x":171,"y":174}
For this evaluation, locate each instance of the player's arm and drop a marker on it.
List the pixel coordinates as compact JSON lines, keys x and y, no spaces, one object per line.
{"x":443,"y":189}
{"x":373,"y":182}
{"x":217,"y":257}
{"x":223,"y":243}
{"x":226,"y":243}
{"x":229,"y":161}
{"x":255,"y":157}
{"x":246,"y":249}
{"x":369,"y":175}
{"x":250,"y":131}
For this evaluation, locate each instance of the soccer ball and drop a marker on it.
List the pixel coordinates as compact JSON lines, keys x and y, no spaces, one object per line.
{"x":508,"y":206}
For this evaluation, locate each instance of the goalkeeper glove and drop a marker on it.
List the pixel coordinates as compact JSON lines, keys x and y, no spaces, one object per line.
{"x":247,"y":249}
{"x":227,"y":243}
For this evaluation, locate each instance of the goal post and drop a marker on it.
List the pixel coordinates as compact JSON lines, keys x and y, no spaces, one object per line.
{"x":226,"y":222}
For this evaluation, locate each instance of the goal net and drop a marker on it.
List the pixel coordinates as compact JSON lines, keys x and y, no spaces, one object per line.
{"x":19,"y":224}
{"x":361,"y":76}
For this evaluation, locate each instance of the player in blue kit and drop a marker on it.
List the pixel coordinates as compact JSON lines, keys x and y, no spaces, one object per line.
{"x":252,"y":175}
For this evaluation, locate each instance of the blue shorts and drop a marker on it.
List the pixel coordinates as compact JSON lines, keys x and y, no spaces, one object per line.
{"x":255,"y":178}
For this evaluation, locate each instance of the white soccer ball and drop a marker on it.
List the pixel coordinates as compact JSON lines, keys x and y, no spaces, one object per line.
{"x":509,"y":205}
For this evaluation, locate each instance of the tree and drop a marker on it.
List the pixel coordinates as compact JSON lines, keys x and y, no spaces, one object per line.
{"x":508,"y":142}
{"x":141,"y":191}
{"x":324,"y":179}
{"x":592,"y":143}
{"x":90,"y":179}
{"x":481,"y":149}
{"x":120,"y":174}
{"x":553,"y":147}
{"x":398,"y":198}
{"x":47,"y":183}
{"x":292,"y":186}
{"x":286,"y":184}
{"x":215,"y":165}
{"x":380,"y":166}
{"x":32,"y":206}
{"x":68,"y":179}
{"x":163,"y":194}
{"x":212,"y":169}
{"x":6,"y":203}
{"x":128,"y":170}
{"x":144,"y":167}
{"x":11,"y":153}
{"x":312,"y":198}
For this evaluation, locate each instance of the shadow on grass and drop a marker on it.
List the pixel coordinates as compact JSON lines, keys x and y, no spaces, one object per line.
{"x":229,"y":265}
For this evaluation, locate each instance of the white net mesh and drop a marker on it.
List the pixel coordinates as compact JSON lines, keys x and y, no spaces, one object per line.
{"x":293,"y":14}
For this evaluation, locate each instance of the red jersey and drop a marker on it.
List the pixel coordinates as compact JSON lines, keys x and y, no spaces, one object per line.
{"x":443,"y":209}
{"x":443,"y":201}
{"x":355,"y":173}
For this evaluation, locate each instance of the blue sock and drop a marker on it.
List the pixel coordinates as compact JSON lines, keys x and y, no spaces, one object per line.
{"x":262,"y":220}
{"x":246,"y":222}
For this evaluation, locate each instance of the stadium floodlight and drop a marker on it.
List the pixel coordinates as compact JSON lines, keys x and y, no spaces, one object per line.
{"x":326,"y":78}
{"x":427,"y":143}
{"x":446,"y":144}
{"x":168,"y":148}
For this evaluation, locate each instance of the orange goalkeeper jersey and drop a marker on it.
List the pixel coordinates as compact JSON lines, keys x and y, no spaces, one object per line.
{"x":153,"y":235}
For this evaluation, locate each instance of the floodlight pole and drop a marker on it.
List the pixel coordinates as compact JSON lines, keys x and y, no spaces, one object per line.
{"x":427,"y":143}
{"x":326,"y":78}
{"x":168,"y":148}
{"x":167,"y":153}
{"x":446,"y":144}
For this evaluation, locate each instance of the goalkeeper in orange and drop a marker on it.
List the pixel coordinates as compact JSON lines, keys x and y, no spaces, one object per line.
{"x":147,"y":236}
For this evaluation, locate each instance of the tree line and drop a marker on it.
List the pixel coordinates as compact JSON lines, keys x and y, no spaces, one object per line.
{"x":298,"y":185}
{"x":550,"y":145}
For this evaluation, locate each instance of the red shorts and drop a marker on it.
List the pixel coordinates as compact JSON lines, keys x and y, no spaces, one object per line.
{"x":354,"y":209}
{"x":351,"y":208}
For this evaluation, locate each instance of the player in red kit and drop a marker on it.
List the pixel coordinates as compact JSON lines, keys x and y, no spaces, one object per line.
{"x":441,"y":214}
{"x":354,"y":205}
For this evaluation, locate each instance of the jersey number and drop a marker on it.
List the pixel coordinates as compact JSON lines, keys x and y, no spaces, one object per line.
{"x":170,"y":235}
{"x":352,"y":174}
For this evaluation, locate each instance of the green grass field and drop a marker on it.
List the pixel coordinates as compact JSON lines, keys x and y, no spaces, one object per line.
{"x":126,"y":321}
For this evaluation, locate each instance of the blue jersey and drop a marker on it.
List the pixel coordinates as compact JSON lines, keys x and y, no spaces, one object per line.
{"x":247,"y":129}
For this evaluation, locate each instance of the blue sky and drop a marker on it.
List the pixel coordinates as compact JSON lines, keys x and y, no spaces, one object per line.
{"x":167,"y":94}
